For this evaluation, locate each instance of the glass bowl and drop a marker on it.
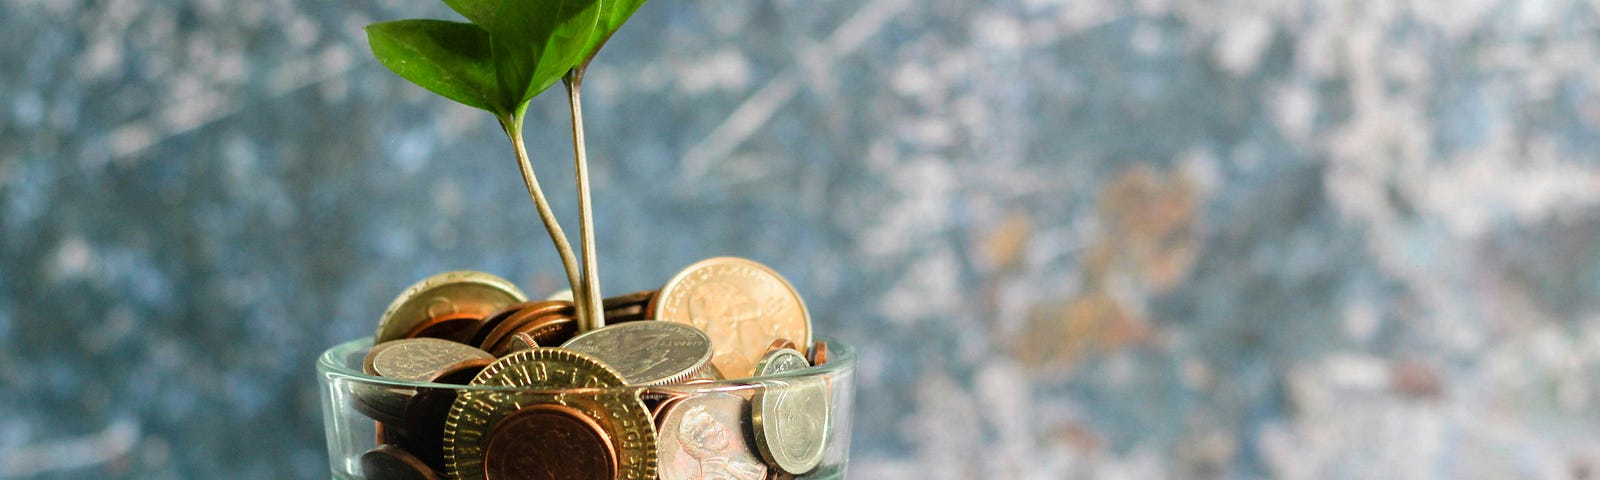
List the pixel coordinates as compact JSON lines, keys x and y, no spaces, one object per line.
{"x":709,"y":424}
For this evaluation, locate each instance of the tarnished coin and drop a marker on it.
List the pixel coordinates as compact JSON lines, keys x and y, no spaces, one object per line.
{"x":420,"y":359}
{"x":427,"y":410}
{"x":534,"y":312}
{"x":552,"y":329}
{"x":455,"y":327}
{"x":383,"y":403}
{"x":549,"y":442}
{"x":543,"y":372}
{"x":703,"y":436}
{"x":389,"y":462}
{"x":647,"y":353}
{"x":631,"y":307}
{"x":450,"y":293}
{"x":790,"y":415}
{"x":742,"y":305}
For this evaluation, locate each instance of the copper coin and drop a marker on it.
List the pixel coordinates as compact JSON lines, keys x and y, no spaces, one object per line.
{"x":383,"y":403}
{"x":457,"y":327}
{"x":388,"y":462}
{"x":660,"y":412}
{"x":549,"y":442}
{"x":819,"y":353}
{"x":632,"y":307}
{"x":704,"y":436}
{"x":387,"y":435}
{"x":426,"y":413}
{"x":631,"y":313}
{"x":781,"y":344}
{"x":494,"y":319}
{"x":546,"y":330}
{"x":522,"y":317}
{"x":635,"y":298}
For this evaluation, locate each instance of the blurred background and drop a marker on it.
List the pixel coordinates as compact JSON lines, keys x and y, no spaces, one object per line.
{"x":1072,"y":239}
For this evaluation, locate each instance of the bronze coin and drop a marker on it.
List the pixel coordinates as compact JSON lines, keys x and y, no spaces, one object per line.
{"x":388,"y":462}
{"x":494,"y":319}
{"x":660,"y":412}
{"x":781,"y":344}
{"x":632,"y":307}
{"x":819,"y":353}
{"x":631,"y":313}
{"x":522,"y":317}
{"x":426,"y":413}
{"x":549,"y":442}
{"x":635,"y":298}
{"x":383,"y":403}
{"x":546,"y":330}
{"x":458,"y":327}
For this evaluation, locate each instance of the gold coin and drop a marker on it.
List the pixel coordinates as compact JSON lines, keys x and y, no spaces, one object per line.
{"x":451,"y":293}
{"x":545,"y":372}
{"x":742,"y":305}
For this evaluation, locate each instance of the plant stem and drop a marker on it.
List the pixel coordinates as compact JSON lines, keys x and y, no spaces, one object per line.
{"x":513,"y":127}
{"x":590,"y":294}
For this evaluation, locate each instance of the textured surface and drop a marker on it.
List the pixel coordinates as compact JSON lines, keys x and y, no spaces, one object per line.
{"x":1115,"y":239}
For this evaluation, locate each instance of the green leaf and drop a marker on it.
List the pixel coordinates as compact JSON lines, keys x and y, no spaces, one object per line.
{"x":536,"y":42}
{"x":448,"y":58}
{"x":479,"y":12}
{"x":612,"y":14}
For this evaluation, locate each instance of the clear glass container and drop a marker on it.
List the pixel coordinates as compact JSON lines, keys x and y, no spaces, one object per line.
{"x":352,"y":403}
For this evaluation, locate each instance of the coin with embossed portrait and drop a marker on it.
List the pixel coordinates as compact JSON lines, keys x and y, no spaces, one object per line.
{"x":647,"y":353}
{"x":703,"y":436}
{"x":742,"y":305}
{"x":447,"y":294}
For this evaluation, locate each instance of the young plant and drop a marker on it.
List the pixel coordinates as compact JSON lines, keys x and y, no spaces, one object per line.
{"x":512,"y":51}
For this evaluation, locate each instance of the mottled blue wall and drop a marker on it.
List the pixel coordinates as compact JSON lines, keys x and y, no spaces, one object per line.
{"x":1080,"y":238}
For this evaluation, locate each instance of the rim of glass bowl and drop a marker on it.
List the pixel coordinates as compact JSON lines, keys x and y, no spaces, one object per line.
{"x":332,"y":362}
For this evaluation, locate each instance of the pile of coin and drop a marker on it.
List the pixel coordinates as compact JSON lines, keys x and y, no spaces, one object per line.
{"x":547,"y":401}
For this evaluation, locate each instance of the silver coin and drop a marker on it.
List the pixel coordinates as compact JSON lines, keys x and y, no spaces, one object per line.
{"x":790,"y":415}
{"x":647,"y":352}
{"x":449,"y":293}
{"x":703,"y":436}
{"x":422,"y":359}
